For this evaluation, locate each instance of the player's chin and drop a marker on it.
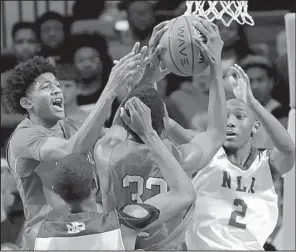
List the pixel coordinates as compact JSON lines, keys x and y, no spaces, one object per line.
{"x":58,"y":113}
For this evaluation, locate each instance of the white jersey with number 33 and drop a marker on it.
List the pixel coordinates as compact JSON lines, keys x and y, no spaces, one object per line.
{"x":235,"y":209}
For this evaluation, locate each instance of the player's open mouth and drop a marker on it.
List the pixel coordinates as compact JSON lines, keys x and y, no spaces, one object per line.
{"x":230,"y":134}
{"x":58,"y":104}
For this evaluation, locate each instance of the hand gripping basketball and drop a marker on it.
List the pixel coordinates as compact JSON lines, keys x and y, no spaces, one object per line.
{"x":212,"y":49}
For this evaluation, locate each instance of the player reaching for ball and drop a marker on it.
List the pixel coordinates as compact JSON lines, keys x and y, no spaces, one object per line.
{"x":82,"y":227}
{"x":46,"y":136}
{"x":236,"y":206}
{"x":131,"y":166}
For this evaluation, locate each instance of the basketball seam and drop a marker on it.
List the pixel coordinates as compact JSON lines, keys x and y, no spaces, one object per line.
{"x":191,"y":45}
{"x":170,"y":48}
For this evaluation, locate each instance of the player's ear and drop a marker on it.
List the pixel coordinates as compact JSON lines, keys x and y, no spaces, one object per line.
{"x":26,"y":103}
{"x":255,"y":128}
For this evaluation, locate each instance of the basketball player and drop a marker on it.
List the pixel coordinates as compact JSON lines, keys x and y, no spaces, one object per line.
{"x":83,"y":227}
{"x":46,"y":136}
{"x":236,"y":206}
{"x":135,"y":175}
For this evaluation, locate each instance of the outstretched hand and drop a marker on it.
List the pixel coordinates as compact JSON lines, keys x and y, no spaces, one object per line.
{"x":139,"y":118}
{"x":128,"y":69}
{"x":241,"y":86}
{"x":212,"y":49}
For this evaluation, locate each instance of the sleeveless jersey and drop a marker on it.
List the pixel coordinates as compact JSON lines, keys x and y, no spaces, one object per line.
{"x":136,"y":177}
{"x":33,"y":176}
{"x":81,"y":231}
{"x":235,"y":209}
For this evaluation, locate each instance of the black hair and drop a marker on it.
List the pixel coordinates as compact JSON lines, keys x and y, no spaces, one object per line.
{"x":152,"y":99}
{"x":51,"y":15}
{"x":73,"y":178}
{"x":22,"y":76}
{"x":97,"y":42}
{"x":23,"y":25}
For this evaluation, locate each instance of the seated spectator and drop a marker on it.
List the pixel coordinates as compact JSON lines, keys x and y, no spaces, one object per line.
{"x":53,"y":30}
{"x":68,"y":78}
{"x":25,"y":46}
{"x":262,"y":79}
{"x":141,"y":19}
{"x":93,"y":63}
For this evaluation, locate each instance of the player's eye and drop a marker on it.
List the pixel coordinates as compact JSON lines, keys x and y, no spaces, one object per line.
{"x":240,"y":117}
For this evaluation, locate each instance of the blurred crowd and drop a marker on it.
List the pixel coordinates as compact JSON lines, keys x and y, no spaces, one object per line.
{"x":83,"y":48}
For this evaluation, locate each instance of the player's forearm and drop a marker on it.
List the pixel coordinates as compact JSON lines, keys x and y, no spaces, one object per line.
{"x":217,"y":111}
{"x":278,"y":134}
{"x":170,"y":168}
{"x":86,"y":137}
{"x":179,"y":134}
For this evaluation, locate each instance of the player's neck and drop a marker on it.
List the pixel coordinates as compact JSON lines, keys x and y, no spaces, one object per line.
{"x":39,"y":121}
{"x":239,"y":156}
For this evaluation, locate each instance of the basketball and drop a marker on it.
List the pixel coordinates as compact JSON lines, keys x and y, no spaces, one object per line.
{"x":182,"y":56}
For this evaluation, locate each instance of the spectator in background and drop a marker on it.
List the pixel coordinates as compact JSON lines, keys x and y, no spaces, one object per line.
{"x":262,"y":79}
{"x":25,"y":41}
{"x":90,"y":57}
{"x":68,"y":78}
{"x":25,"y":46}
{"x":141,"y":19}
{"x":53,"y":30}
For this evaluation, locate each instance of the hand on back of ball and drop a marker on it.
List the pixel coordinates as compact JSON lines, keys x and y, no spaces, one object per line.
{"x":212,"y":49}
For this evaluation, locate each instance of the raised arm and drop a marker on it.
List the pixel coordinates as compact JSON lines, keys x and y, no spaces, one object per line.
{"x":282,"y":156}
{"x":181,"y":194}
{"x":208,"y":142}
{"x":87,"y":135}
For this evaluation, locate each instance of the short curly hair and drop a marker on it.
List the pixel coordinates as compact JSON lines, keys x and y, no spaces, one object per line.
{"x":22,"y":76}
{"x":152,"y":99}
{"x":73,"y":178}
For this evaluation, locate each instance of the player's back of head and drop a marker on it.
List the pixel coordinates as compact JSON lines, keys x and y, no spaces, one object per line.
{"x":73,"y":178}
{"x":152,"y":99}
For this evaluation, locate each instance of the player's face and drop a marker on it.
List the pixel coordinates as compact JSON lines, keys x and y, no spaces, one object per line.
{"x":261,"y":84}
{"x":25,"y":44}
{"x":70,"y":91}
{"x":47,"y":98}
{"x":88,"y":62}
{"x":52,"y":33}
{"x":240,"y":122}
{"x":141,"y":15}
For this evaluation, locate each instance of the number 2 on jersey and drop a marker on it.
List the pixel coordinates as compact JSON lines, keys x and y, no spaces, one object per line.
{"x":242,"y":214}
{"x":163,"y":187}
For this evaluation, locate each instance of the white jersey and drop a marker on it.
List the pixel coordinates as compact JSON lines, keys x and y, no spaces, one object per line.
{"x":235,"y":209}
